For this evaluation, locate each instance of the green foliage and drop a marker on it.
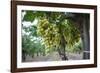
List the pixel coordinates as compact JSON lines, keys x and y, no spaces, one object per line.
{"x":29,"y":16}
{"x":29,"y":44}
{"x":26,"y":44}
{"x":77,"y":47}
{"x":71,"y":33}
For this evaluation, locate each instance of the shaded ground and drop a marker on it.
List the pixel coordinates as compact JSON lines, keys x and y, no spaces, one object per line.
{"x":54,"y":57}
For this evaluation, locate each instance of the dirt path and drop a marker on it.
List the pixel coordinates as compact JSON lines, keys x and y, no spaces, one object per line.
{"x":54,"y":57}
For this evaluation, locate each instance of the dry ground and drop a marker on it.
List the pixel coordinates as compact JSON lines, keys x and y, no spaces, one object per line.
{"x":54,"y":57}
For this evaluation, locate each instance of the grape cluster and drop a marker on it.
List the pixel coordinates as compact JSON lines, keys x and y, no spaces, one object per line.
{"x":49,"y":33}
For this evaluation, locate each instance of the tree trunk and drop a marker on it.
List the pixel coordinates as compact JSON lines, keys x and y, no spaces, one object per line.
{"x":37,"y":53}
{"x":85,"y":38}
{"x":62,"y":53}
{"x":44,"y":53}
{"x":61,"y":49}
{"x":62,"y":44}
{"x":23,"y":55}
{"x":32,"y":55}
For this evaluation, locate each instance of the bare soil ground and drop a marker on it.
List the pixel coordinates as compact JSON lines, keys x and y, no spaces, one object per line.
{"x":54,"y":57}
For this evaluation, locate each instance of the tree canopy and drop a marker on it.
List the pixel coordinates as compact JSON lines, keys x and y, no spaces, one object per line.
{"x":51,"y":25}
